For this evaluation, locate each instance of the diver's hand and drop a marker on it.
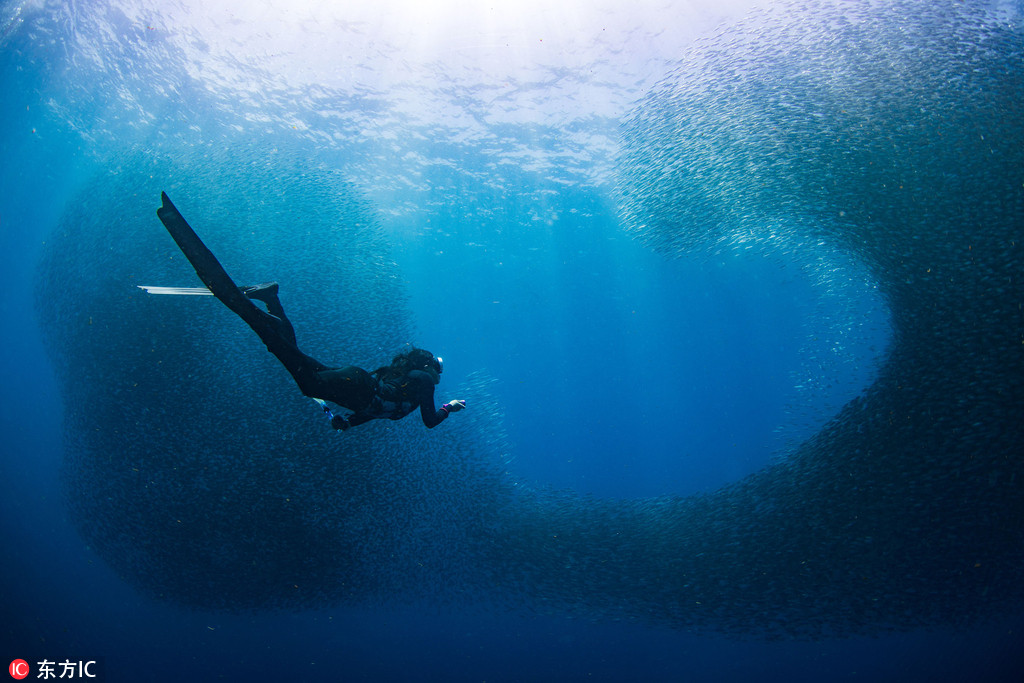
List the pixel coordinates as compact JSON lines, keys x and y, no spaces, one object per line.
{"x":338,"y":422}
{"x":454,"y":406}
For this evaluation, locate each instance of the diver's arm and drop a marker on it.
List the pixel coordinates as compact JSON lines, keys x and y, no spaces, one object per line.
{"x":355,"y":419}
{"x":431,"y":416}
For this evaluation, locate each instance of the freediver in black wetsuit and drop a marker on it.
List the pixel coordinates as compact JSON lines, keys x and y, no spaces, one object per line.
{"x":392,"y":391}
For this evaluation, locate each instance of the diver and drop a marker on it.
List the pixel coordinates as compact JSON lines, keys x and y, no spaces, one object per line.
{"x":392,"y":391}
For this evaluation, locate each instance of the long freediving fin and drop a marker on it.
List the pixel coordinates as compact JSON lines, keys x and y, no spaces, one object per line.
{"x":206,"y":265}
{"x":180,"y":291}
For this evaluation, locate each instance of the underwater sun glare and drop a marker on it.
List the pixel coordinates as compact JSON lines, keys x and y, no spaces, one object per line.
{"x":382,"y":43}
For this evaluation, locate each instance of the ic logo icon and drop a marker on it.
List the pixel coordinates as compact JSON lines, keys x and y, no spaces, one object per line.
{"x":19,"y":669}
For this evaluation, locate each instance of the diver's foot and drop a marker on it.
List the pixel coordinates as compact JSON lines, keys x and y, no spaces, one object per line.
{"x":264,"y":292}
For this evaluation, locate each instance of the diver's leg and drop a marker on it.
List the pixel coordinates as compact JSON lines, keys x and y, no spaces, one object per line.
{"x":304,"y":369}
{"x":278,"y":339}
{"x":267,"y":293}
{"x":350,"y":387}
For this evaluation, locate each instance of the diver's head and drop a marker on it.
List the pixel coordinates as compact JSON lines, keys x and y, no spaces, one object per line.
{"x":421,"y":359}
{"x":434,"y":367}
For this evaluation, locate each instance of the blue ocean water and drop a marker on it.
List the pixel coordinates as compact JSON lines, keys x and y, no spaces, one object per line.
{"x":500,"y":159}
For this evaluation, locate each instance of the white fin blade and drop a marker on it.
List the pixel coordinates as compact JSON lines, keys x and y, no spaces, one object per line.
{"x":179,"y":291}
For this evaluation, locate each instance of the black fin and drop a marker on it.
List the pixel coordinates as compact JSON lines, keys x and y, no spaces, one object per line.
{"x":207,"y":267}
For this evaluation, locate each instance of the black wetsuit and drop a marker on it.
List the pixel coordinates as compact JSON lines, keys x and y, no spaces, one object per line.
{"x":350,"y":387}
{"x":368,"y":397}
